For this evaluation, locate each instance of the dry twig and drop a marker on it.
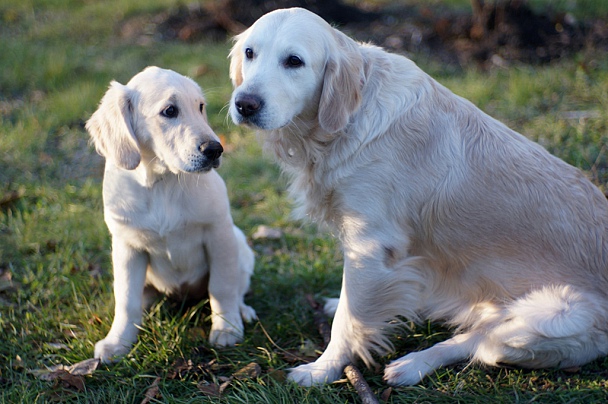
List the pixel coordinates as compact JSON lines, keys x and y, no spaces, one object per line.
{"x":320,"y":319}
{"x":356,"y":379}
{"x":352,"y":373}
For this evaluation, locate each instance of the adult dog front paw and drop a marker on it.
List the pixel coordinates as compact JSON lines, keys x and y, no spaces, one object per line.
{"x":314,"y":374}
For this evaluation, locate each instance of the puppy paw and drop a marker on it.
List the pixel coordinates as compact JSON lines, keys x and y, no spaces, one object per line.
{"x":330,"y":307}
{"x":110,"y":350}
{"x":225,"y":337}
{"x":314,"y":374}
{"x":408,"y":370}
{"x":247,"y":313}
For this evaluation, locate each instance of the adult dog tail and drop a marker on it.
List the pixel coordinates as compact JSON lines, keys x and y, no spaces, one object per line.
{"x":553,"y":326}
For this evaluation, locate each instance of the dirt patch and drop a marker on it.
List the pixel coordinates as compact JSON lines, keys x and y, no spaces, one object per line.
{"x":510,"y":31}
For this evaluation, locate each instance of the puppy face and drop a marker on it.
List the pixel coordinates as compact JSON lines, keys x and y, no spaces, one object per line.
{"x":159,"y":116}
{"x":283,"y":71}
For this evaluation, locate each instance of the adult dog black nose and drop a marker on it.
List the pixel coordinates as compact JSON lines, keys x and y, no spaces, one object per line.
{"x":247,"y":104}
{"x":212,"y":150}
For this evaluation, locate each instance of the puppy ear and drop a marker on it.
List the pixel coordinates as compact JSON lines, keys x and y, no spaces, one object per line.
{"x":236,"y":60}
{"x":111,"y":128}
{"x":342,"y":85}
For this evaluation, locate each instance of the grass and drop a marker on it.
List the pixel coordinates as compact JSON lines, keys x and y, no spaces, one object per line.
{"x":55,"y":275}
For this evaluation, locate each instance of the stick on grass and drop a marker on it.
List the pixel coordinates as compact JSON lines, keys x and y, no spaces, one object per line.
{"x":352,"y":373}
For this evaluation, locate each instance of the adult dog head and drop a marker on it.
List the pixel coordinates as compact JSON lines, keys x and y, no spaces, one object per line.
{"x":159,"y":119}
{"x":290,"y":67}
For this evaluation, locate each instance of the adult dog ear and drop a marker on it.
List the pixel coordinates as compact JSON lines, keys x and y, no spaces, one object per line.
{"x":342,"y":84}
{"x":111,"y":128}
{"x":236,"y":60}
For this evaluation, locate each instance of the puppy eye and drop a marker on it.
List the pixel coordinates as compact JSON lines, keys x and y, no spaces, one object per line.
{"x":170,"y":112}
{"x":249,"y":53}
{"x":293,"y":61}
{"x":201,"y":107}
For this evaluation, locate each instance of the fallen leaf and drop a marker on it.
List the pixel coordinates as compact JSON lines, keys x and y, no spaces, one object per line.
{"x":86,"y":367}
{"x":43,"y":374}
{"x":179,"y":368}
{"x":65,"y":378}
{"x":72,"y":381}
{"x":386,"y":394}
{"x":209,"y":389}
{"x":57,"y":346}
{"x":152,"y":392}
{"x":224,"y":386}
{"x":46,"y":374}
{"x":250,"y":371}
{"x":267,"y":233}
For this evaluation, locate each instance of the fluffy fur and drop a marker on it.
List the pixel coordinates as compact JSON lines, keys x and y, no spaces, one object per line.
{"x":444,"y":212}
{"x":166,"y":208}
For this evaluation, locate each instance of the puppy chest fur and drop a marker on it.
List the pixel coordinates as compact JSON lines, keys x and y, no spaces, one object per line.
{"x":169,"y":224}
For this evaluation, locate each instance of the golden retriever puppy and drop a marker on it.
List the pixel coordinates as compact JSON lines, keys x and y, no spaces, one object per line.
{"x":444,"y":212}
{"x":167,"y":208}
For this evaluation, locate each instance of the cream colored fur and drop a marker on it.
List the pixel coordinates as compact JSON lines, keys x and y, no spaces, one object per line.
{"x":166,"y":208}
{"x":444,"y":212}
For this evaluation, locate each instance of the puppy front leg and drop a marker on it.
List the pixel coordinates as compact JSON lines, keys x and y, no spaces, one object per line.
{"x":224,"y":287}
{"x":129,"y":267}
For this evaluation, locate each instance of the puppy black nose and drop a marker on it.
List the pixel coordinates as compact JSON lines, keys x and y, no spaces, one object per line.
{"x":247,"y":104}
{"x":212,"y":150}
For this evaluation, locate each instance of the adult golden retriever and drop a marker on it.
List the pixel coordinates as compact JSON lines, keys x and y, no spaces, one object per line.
{"x":444,"y":212}
{"x":166,"y":208}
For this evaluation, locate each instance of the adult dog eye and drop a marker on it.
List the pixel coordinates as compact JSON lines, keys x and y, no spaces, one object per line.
{"x":201,"y":107}
{"x":293,"y":61}
{"x":170,"y":112}
{"x":249,"y":53}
